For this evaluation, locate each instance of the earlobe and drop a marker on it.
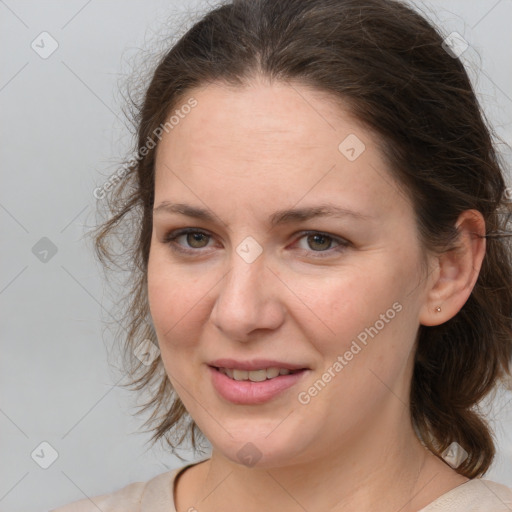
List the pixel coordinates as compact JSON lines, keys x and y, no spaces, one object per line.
{"x":458,"y":271}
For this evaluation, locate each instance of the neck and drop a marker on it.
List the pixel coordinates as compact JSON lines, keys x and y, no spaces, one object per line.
{"x":383,"y":466}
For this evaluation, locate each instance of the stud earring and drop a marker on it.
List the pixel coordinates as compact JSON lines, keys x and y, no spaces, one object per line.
{"x":438,"y":309}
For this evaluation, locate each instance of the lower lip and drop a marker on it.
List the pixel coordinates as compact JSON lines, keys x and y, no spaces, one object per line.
{"x":246,"y":392}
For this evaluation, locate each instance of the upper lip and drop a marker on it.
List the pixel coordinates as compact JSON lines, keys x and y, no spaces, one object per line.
{"x":255,"y":364}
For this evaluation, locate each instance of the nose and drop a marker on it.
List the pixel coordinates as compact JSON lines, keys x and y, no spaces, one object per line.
{"x":249,"y":299}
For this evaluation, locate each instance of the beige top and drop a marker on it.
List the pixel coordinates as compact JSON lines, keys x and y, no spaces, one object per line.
{"x":157,"y":495}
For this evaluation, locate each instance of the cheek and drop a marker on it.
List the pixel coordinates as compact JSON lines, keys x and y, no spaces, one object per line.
{"x":368,"y":316}
{"x":174,"y":307}
{"x":340,"y":307}
{"x":174,"y":300}
{"x":366,"y":347}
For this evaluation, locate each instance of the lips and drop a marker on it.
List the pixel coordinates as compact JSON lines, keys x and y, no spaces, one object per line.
{"x":255,"y":364}
{"x":256,"y":375}
{"x":246,"y":392}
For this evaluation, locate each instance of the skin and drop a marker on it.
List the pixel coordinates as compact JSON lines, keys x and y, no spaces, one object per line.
{"x":245,"y":153}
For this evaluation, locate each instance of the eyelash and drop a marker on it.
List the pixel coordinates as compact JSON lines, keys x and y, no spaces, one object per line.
{"x":170,"y":238}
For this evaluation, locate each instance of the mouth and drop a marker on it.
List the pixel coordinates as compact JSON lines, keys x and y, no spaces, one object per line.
{"x":244,"y":387}
{"x":256,"y":375}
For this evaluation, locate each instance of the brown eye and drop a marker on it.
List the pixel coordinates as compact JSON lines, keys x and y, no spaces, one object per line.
{"x":322,"y":242}
{"x":196,"y":238}
{"x":318,"y":244}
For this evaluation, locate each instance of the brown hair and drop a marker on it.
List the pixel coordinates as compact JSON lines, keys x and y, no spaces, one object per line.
{"x":388,"y":65}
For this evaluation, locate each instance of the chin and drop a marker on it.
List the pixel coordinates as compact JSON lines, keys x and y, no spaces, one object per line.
{"x":261,"y":453}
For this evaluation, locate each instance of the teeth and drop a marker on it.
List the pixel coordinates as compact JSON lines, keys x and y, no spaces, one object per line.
{"x":254,"y":375}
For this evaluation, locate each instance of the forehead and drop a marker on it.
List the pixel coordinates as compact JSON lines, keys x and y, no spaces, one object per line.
{"x":270,"y":138}
{"x":262,"y":116}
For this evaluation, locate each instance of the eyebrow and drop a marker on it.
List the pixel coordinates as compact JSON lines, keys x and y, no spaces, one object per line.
{"x":279,"y":217}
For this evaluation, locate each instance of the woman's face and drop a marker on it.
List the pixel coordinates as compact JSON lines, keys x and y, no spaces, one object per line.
{"x":340,"y":294}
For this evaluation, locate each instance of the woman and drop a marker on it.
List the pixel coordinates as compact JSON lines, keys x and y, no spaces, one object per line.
{"x":322,"y":257}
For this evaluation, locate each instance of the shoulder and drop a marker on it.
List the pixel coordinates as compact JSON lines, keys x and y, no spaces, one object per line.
{"x":129,"y":498}
{"x":476,"y":495}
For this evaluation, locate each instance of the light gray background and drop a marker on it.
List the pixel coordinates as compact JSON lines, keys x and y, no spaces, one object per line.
{"x":62,"y":131}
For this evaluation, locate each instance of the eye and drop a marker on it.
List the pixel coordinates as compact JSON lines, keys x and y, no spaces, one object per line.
{"x":193,"y":237}
{"x":196,"y":239}
{"x":323,"y":243}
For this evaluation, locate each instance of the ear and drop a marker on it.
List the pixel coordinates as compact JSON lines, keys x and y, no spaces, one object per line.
{"x":456,"y":271}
